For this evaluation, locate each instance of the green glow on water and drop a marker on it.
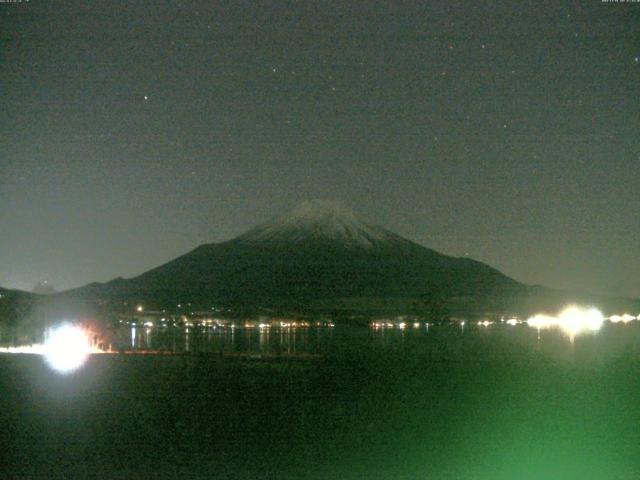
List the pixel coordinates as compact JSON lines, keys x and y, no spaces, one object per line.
{"x":474,"y":404}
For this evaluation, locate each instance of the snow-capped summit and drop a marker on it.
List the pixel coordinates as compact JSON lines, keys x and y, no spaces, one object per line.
{"x":320,"y":219}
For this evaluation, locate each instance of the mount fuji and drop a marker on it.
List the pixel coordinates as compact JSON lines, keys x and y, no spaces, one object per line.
{"x":320,"y":256}
{"x":320,"y":221}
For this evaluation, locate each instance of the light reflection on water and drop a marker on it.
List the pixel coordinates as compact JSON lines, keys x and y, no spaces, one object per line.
{"x":290,"y":341}
{"x":610,"y":341}
{"x":496,"y":402}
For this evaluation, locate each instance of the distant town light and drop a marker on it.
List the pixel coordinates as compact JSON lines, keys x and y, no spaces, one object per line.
{"x":572,"y":320}
{"x":139,"y":308}
{"x":624,"y":318}
{"x":542,"y":321}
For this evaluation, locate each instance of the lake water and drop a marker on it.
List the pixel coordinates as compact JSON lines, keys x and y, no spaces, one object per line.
{"x":441,"y":403}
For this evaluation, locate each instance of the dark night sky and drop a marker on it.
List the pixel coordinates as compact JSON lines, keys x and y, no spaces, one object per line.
{"x":131,"y":132}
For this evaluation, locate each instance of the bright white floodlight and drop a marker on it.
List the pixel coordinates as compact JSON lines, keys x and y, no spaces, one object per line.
{"x":572,"y":320}
{"x":66,"y":348}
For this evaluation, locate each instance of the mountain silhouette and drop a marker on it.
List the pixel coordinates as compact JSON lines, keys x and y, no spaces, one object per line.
{"x":319,"y":255}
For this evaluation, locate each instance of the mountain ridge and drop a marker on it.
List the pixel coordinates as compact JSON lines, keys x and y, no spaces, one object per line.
{"x":319,"y":253}
{"x":321,"y":257}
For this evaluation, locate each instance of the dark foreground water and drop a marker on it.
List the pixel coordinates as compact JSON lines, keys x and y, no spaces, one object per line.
{"x":480,"y":403}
